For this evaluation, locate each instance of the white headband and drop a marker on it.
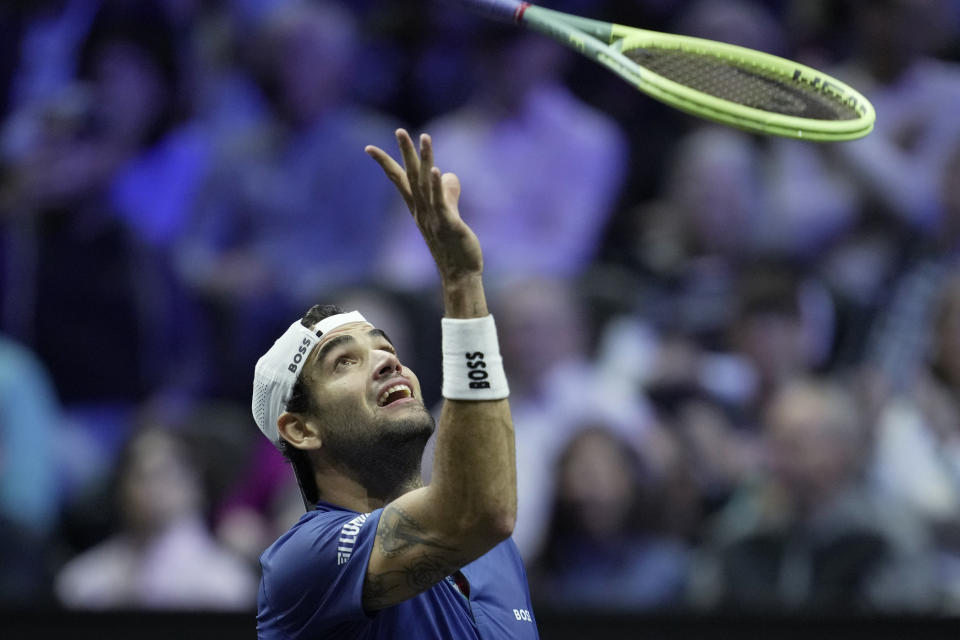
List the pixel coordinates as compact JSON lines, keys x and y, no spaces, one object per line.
{"x":278,"y":369}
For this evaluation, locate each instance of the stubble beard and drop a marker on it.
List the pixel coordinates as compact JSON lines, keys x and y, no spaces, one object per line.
{"x":383,"y":455}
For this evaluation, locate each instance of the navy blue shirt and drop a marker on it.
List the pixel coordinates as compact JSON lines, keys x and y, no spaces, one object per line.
{"x":312,"y":587}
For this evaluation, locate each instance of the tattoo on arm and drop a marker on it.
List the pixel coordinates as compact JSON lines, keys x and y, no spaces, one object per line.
{"x":422,"y":572}
{"x":399,"y":533}
{"x":377,"y":590}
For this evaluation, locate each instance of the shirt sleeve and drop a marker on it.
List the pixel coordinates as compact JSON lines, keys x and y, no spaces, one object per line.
{"x":313,"y":576}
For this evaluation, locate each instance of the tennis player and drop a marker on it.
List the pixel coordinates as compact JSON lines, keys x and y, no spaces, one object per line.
{"x":378,"y":554}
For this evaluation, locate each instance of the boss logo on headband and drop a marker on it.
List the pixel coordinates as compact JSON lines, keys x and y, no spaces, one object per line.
{"x":298,"y":356}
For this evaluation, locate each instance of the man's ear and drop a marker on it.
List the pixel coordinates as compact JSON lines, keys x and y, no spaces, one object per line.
{"x":299,"y":432}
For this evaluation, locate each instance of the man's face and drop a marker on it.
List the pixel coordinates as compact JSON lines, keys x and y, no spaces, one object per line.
{"x":368,"y":405}
{"x":808,"y":456}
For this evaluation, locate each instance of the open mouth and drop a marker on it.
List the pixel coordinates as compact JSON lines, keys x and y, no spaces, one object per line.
{"x":393,"y":394}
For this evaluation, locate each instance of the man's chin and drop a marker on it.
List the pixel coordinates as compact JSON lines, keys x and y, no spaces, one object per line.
{"x":414,"y":421}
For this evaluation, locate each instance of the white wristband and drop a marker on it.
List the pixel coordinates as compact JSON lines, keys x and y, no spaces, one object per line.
{"x":472,"y":366}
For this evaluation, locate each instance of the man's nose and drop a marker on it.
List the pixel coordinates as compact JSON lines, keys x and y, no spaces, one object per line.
{"x":388,"y":365}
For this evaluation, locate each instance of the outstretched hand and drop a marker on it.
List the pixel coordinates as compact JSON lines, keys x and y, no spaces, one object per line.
{"x":432,"y":198}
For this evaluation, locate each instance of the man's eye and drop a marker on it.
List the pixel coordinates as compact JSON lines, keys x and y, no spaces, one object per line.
{"x":343,"y":361}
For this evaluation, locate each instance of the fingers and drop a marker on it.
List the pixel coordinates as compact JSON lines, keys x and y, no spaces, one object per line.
{"x":420,"y":183}
{"x":394,"y":172}
{"x":410,"y":162}
{"x":388,"y":164}
{"x":408,"y":152}
{"x":426,"y":164}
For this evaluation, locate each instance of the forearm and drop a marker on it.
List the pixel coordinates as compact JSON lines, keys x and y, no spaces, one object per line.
{"x":474,"y":472}
{"x":474,"y":469}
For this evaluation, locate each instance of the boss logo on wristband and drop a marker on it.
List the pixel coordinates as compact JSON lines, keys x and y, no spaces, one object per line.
{"x":472,"y":366}
{"x":477,"y":371}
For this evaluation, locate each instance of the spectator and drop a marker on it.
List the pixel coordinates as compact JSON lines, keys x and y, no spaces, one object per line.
{"x":811,"y":536}
{"x":52,"y":33}
{"x":76,"y":212}
{"x":546,"y":222}
{"x":301,"y":164}
{"x":29,"y":475}
{"x":898,"y":168}
{"x":782,"y":328}
{"x":162,"y":556}
{"x":918,"y":438}
{"x":29,"y":423}
{"x":603,"y":551}
{"x":554,"y":386}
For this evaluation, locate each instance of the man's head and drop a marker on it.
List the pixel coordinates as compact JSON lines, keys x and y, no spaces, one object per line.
{"x":305,"y":58}
{"x":347,"y":405}
{"x":816,"y":439}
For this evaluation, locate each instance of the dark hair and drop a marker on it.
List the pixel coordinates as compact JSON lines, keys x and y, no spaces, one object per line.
{"x":564,"y":523}
{"x":301,"y":401}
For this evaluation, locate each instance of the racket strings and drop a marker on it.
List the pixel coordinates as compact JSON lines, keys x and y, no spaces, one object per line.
{"x":747,"y":86}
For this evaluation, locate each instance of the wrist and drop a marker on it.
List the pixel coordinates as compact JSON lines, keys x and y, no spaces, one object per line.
{"x":463,"y":296}
{"x":472,"y":366}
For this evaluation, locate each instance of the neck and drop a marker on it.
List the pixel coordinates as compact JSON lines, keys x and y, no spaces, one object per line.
{"x":346,"y":490}
{"x":364,"y":468}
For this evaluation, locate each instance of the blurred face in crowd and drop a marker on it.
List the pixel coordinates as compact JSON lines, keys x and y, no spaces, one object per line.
{"x":711,"y":181}
{"x":812,"y":442}
{"x":130,"y":95}
{"x":367,"y":407}
{"x":311,"y":51}
{"x":540,"y":327}
{"x":158,"y":485}
{"x":597,"y":484}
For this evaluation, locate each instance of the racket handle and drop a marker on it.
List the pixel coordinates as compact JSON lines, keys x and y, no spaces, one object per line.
{"x":503,"y":10}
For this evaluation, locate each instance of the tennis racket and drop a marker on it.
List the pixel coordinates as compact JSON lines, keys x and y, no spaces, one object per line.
{"x":733,"y":85}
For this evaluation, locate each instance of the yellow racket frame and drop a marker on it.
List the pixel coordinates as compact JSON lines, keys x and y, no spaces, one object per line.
{"x":606,"y":43}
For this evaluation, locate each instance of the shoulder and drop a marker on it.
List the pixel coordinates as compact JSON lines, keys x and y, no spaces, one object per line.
{"x":316,"y":552}
{"x":91,"y":578}
{"x":316,"y":537}
{"x":22,"y":367}
{"x":312,"y":576}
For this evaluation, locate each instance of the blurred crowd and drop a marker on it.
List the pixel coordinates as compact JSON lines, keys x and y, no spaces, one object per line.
{"x":734,"y":360}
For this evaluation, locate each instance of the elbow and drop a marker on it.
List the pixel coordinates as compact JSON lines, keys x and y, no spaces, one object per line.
{"x":499,"y":524}
{"x":489,"y":528}
{"x":505,"y":524}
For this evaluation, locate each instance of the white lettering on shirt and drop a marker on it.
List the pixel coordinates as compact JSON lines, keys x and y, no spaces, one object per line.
{"x":522,"y":614}
{"x":348,"y":538}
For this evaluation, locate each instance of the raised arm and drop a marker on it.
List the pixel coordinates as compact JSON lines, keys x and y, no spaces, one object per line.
{"x":470,"y":504}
